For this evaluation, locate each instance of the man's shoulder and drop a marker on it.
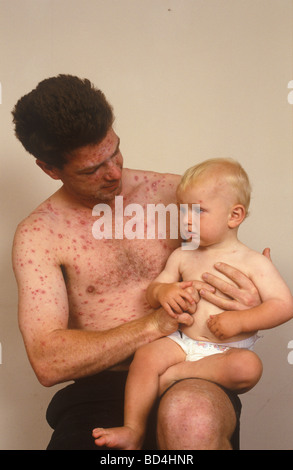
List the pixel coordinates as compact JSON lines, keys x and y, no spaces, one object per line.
{"x":145,"y":175}
{"x":155,"y":185}
{"x":42,"y":217}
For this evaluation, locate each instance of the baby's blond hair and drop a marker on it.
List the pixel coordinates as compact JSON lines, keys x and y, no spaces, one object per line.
{"x":229,"y":169}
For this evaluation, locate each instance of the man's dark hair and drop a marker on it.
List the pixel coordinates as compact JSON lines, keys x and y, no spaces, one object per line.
{"x":60,"y":115}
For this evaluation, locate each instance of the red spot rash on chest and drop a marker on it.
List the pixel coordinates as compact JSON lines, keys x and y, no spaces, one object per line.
{"x":104,"y":280}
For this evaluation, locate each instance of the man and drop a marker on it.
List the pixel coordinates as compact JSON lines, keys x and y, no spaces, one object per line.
{"x":82,"y":307}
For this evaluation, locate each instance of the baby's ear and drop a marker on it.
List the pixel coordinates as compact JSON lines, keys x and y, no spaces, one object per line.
{"x":236,"y":216}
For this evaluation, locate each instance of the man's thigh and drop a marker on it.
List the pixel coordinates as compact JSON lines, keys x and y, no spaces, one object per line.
{"x":198,"y":414}
{"x":96,"y":401}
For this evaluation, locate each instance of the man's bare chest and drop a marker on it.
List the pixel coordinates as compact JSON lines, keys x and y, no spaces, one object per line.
{"x":107,"y":263}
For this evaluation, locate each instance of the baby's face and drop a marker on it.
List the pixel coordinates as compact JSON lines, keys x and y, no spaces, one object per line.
{"x":216,"y":200}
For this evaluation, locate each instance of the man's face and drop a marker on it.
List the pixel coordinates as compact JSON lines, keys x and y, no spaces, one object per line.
{"x":94,"y":173}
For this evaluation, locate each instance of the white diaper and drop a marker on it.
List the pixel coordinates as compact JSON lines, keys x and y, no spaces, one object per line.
{"x":196,"y":350}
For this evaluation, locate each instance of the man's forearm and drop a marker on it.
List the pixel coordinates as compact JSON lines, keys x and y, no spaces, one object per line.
{"x":70,"y":354}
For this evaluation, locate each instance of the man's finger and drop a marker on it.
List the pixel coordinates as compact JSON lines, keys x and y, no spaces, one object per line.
{"x":235,"y":275}
{"x":203,"y":285}
{"x":221,"y":302}
{"x":220,"y":284}
{"x":267,"y":253}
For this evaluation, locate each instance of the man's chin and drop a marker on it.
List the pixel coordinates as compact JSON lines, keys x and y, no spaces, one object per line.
{"x":109,"y":195}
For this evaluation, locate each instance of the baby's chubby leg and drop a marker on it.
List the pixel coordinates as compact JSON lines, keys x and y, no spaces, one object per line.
{"x":236,"y":369}
{"x":142,"y":388}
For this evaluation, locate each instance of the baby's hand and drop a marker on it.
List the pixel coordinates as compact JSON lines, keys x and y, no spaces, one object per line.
{"x":225,"y":325}
{"x":177,"y":298}
{"x":191,"y":308}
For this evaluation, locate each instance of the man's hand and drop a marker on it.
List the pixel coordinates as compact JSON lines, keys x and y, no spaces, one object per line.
{"x":240,"y":297}
{"x":267,"y":253}
{"x":167,"y":324}
{"x":225,"y":325}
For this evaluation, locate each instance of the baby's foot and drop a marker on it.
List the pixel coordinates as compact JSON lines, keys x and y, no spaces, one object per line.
{"x":124,"y":438}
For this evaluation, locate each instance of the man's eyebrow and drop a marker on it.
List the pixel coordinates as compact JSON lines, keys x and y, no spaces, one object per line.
{"x":95,"y":167}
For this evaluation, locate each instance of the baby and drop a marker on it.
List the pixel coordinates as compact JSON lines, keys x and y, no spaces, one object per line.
{"x":218,"y":345}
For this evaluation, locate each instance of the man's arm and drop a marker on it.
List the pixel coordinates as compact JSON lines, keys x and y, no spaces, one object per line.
{"x":58,"y":354}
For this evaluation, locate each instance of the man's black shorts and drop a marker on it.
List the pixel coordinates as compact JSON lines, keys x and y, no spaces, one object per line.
{"x":98,"y":401}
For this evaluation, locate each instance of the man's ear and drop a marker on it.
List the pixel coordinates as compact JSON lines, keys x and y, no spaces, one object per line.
{"x":237,"y":215}
{"x":50,"y":170}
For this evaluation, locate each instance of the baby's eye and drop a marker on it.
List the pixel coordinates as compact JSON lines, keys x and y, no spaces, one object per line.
{"x":196,"y":209}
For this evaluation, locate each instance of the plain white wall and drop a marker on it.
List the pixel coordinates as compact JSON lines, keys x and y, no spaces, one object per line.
{"x":189,"y":80}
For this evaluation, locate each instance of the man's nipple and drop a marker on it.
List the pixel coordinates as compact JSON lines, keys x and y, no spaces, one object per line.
{"x":90,"y":289}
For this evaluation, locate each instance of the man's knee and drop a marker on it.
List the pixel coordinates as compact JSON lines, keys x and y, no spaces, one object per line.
{"x":195,"y":414}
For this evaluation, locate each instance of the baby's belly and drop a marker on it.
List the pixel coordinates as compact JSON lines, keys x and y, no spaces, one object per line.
{"x":199,"y":329}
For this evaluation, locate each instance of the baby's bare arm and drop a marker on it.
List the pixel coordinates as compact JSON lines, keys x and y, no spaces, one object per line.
{"x":276,"y":307}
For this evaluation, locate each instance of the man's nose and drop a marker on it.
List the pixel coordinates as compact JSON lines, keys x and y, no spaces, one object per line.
{"x":113,"y":172}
